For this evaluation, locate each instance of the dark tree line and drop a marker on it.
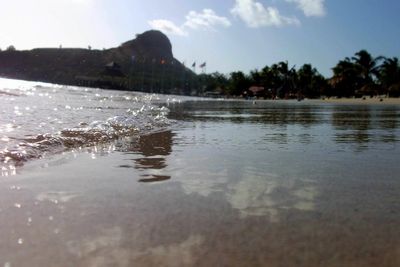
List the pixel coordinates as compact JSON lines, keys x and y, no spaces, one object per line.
{"x":357,"y":76}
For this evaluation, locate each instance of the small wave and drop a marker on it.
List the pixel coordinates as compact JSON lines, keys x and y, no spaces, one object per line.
{"x":8,"y":93}
{"x":136,"y":122}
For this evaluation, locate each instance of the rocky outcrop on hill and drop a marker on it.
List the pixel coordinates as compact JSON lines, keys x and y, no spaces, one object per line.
{"x":143,"y":63}
{"x":150,"y":44}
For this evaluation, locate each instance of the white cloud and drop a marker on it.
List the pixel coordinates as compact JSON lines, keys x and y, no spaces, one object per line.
{"x":82,"y":1}
{"x":69,"y":2}
{"x":255,"y":14}
{"x":311,"y":8}
{"x":167,"y":27}
{"x":207,"y":19}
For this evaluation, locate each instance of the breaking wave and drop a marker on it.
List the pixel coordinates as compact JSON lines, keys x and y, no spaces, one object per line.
{"x":47,"y":119}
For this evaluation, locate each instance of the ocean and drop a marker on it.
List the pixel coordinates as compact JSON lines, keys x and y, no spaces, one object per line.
{"x":94,"y":177}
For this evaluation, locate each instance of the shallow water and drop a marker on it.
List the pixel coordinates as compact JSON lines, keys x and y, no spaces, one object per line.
{"x":38,"y":119}
{"x":217,"y":183}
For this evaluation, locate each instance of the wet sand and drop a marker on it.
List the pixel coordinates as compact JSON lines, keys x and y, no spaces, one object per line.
{"x":223,"y":189}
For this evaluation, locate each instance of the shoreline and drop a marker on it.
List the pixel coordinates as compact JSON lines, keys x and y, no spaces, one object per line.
{"x":345,"y":101}
{"x":368,"y":100}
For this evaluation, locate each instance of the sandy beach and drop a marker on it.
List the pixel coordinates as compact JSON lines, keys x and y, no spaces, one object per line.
{"x":362,"y":101}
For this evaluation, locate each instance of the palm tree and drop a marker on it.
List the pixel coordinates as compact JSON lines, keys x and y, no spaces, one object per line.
{"x":367,"y":71}
{"x":344,"y":80}
{"x":271,"y":79}
{"x":310,"y":82}
{"x":287,"y":79}
{"x":389,"y":76}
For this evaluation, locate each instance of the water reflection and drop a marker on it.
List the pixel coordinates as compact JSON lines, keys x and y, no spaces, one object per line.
{"x":56,"y":197}
{"x":277,"y":128}
{"x":270,"y":195}
{"x":264,"y":112}
{"x":245,"y":178}
{"x":153,"y":149}
{"x":203,"y":182}
{"x":150,"y":163}
{"x":359,"y":126}
{"x":155,"y":144}
{"x":280,"y":138}
{"x":154,"y":178}
{"x":358,"y":119}
{"x":171,"y":255}
{"x":106,"y":243}
{"x":230,"y":203}
{"x":388,"y":119}
{"x":290,"y":123}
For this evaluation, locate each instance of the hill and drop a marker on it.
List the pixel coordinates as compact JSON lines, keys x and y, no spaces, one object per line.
{"x":145,"y":63}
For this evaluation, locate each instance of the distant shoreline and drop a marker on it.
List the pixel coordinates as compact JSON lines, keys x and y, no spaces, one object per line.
{"x":361,"y":101}
{"x":333,"y":100}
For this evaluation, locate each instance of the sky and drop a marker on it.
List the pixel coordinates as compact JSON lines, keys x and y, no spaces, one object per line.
{"x":229,"y":35}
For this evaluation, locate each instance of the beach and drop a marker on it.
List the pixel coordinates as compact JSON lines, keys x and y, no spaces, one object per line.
{"x":366,"y":100}
{"x":217,"y":183}
{"x":199,"y":133}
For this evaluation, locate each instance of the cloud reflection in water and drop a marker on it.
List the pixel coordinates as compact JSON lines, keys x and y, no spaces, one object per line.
{"x":268,"y":195}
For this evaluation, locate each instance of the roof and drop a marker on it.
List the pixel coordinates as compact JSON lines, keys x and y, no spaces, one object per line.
{"x":256,"y":89}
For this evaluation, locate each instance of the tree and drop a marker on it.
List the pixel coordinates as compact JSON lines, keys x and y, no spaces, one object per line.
{"x":11,"y":48}
{"x":389,"y":76}
{"x":344,"y":80}
{"x":277,"y":79}
{"x":255,"y":77}
{"x":220,"y":80}
{"x":238,"y":83}
{"x":366,"y":65}
{"x":213,"y":81}
{"x":309,"y":81}
{"x":271,"y":79}
{"x":367,"y":70}
{"x":286,"y":79}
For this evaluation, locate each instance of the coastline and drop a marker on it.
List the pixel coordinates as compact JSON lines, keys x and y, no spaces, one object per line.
{"x":361,"y":101}
{"x":344,"y":101}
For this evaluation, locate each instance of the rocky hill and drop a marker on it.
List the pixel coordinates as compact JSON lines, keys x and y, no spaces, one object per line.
{"x":145,"y":63}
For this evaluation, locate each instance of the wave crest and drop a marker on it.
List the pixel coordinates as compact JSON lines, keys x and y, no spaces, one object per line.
{"x":134,"y":123}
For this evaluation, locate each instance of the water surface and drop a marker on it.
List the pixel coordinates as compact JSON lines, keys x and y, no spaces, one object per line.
{"x":216,"y":183}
